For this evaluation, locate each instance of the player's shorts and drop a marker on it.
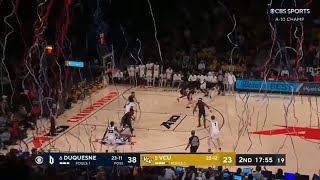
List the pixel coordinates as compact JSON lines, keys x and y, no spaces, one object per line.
{"x":149,"y":74}
{"x":149,"y":77}
{"x":215,"y":134}
{"x":189,"y":96}
{"x":202,"y":114}
{"x":155,"y":75}
{"x":203,"y":86}
{"x":112,"y":141}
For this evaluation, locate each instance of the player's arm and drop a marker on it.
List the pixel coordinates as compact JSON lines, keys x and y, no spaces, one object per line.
{"x":135,"y":99}
{"x":116,"y":129}
{"x":194,"y":109}
{"x":207,"y":106}
{"x":105,"y":133}
{"x":127,"y":102}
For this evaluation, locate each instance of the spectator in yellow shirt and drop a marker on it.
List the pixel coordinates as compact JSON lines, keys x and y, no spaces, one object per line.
{"x":213,"y":65}
{"x":237,"y":68}
{"x":225,"y":67}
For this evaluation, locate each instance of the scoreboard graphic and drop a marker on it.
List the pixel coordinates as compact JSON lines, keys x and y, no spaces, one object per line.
{"x":159,"y":159}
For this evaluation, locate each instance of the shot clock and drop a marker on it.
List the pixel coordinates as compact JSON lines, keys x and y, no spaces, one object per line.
{"x":261,"y":159}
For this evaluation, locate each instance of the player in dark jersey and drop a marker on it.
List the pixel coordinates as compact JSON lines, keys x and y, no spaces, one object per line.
{"x":189,"y":96}
{"x":132,"y":98}
{"x":202,"y":111}
{"x":126,"y":121}
{"x":184,"y":93}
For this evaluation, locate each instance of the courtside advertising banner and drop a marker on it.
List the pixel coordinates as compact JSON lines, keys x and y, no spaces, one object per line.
{"x":305,"y":88}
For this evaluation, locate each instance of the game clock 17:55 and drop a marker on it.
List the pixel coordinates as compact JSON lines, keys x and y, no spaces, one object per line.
{"x":261,"y":159}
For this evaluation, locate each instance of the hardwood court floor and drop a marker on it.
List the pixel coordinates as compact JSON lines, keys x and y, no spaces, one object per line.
{"x":250,"y":124}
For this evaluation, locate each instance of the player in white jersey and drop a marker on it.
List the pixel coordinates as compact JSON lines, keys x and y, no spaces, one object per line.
{"x":214,"y":134}
{"x":128,"y":106}
{"x":149,"y":67}
{"x":156,"y":72}
{"x":131,"y":72}
{"x":130,"y":103}
{"x":162,"y":79}
{"x":142,"y":73}
{"x":213,"y":81}
{"x":203,"y":84}
{"x":111,"y":133}
{"x":169,"y":72}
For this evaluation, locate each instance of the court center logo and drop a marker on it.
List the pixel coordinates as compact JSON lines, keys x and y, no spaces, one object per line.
{"x":171,"y":121}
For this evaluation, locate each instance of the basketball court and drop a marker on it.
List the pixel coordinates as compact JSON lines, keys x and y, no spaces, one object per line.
{"x":250,"y":124}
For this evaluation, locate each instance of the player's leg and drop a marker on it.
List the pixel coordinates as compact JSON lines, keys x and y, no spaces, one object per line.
{"x":131,"y":128}
{"x":154,"y":81}
{"x":136,"y":79}
{"x":168,"y":83}
{"x":215,"y":135}
{"x":189,"y":103}
{"x":199,"y":119}
{"x":151,"y":84}
{"x":204,"y":120}
{"x":232,"y":88}
{"x":111,"y":142}
{"x":189,"y":100}
{"x":183,"y":94}
{"x":179,"y":84}
{"x":219,"y":143}
{"x":150,"y":81}
{"x":209,"y":144}
{"x":108,"y":145}
{"x":124,"y":127}
{"x":181,"y":97}
{"x":115,"y":146}
{"x":147,"y":77}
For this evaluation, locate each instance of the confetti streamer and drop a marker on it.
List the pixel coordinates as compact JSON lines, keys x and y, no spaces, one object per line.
{"x":156,"y":36}
{"x":4,"y":45}
{"x":243,"y":126}
{"x":134,"y":58}
{"x":234,"y":22}
{"x":139,"y":50}
{"x":235,"y":46}
{"x":34,"y":50}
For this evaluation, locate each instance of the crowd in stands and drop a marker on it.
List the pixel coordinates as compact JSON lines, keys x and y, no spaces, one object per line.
{"x":26,"y":115}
